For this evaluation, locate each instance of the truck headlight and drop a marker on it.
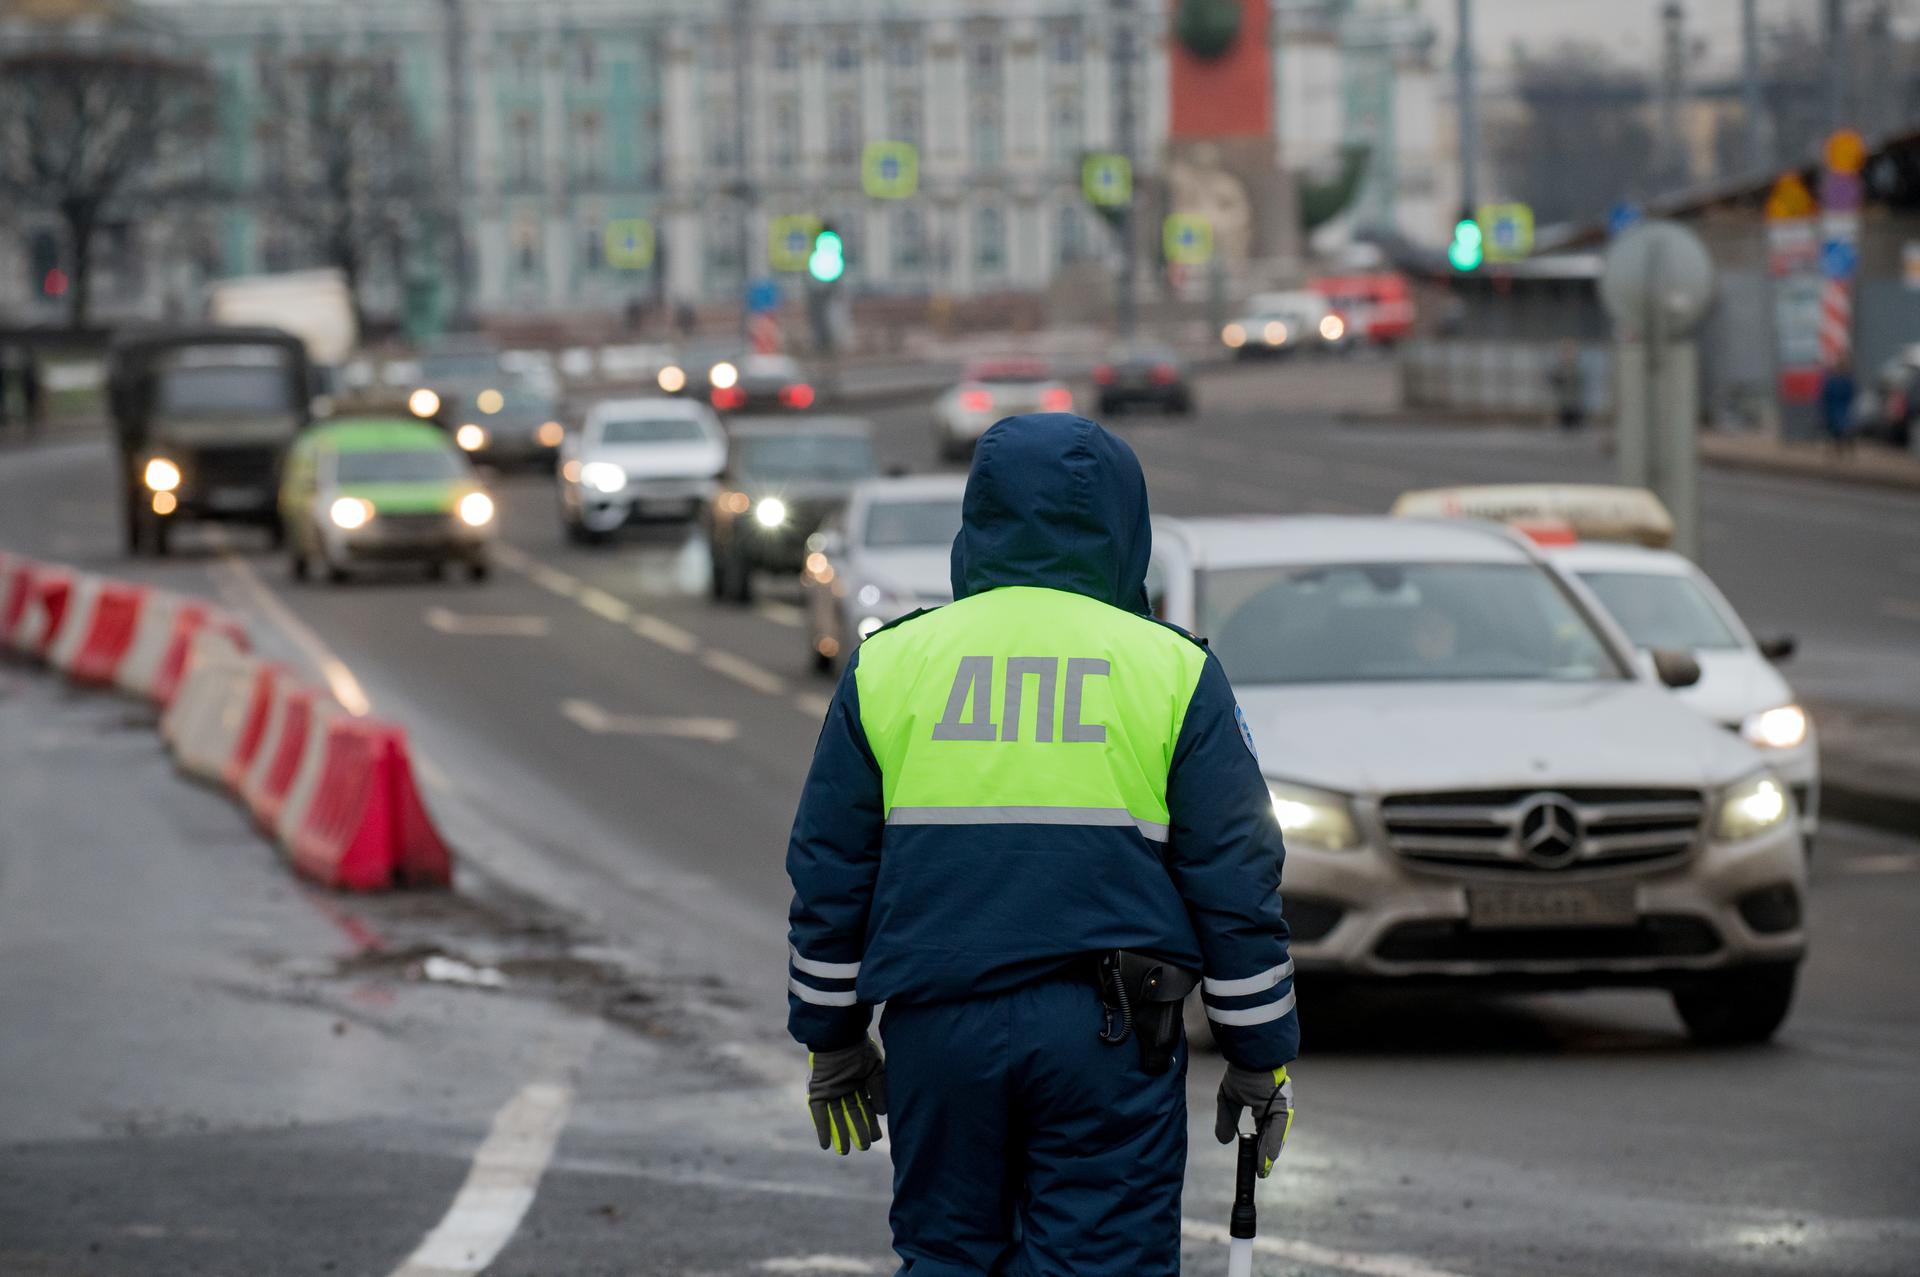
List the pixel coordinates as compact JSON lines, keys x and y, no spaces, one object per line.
{"x":1781,"y":727}
{"x":770,"y":513}
{"x":162,"y":475}
{"x":1750,"y":806}
{"x":603,"y":476}
{"x":476,"y":509}
{"x":349,"y":513}
{"x":1318,"y":817}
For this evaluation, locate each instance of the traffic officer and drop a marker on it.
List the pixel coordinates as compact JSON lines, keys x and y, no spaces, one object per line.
{"x":1034,"y":821}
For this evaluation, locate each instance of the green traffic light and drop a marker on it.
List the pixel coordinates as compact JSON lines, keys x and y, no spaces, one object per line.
{"x":1468,"y":248}
{"x":828,"y":260}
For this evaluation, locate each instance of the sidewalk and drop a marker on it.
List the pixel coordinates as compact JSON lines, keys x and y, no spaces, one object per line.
{"x":1868,"y":463}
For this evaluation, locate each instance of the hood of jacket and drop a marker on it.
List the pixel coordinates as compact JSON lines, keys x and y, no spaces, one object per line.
{"x":1055,"y":501}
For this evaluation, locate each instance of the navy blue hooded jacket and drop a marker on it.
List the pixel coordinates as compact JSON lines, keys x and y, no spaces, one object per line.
{"x":937,"y":911}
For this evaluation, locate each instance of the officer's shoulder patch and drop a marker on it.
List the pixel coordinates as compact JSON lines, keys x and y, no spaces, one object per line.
{"x":1246,"y":732}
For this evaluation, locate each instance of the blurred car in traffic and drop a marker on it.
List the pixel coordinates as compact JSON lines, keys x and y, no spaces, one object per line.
{"x":509,"y":421}
{"x":636,"y":459}
{"x":360,"y":492}
{"x":702,"y":366}
{"x":764,"y":383}
{"x":1612,"y":539}
{"x":1476,"y":778}
{"x":1297,"y":320}
{"x":886,"y":553}
{"x":459,"y":363}
{"x":990,"y":389}
{"x":784,"y":477}
{"x":1148,"y":373}
{"x":1889,"y":404}
{"x":201,"y":419}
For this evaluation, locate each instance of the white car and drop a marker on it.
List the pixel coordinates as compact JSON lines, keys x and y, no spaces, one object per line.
{"x":890,"y":551}
{"x":1662,"y":600}
{"x":637,"y":459}
{"x":989,"y":390}
{"x":1476,"y":777}
{"x":1278,"y":323}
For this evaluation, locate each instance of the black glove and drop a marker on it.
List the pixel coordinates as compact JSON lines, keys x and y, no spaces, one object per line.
{"x":1269,"y":1093}
{"x":846,"y":1091}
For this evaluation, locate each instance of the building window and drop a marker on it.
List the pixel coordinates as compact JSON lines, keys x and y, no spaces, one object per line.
{"x":785,"y":141}
{"x":524,"y":156}
{"x":909,"y":240}
{"x":843,"y":138}
{"x":906,"y":118}
{"x":1063,"y":44}
{"x":903,"y":50}
{"x":593,"y":247}
{"x":846,"y":54}
{"x":989,"y":239}
{"x":719,"y":129}
{"x":584,"y":60}
{"x":984,"y":57}
{"x":589,"y":145}
{"x":1070,"y":238}
{"x":526,"y":245}
{"x":786,"y":52}
{"x":716,"y":50}
{"x":986,"y":136}
{"x":520,"y":53}
{"x":721,"y":244}
{"x":1064,"y":129}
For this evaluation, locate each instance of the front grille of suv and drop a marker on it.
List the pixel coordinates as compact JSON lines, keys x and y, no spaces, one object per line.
{"x":1557,"y":831}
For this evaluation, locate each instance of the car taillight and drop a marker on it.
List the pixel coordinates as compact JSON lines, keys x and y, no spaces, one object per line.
{"x":976,"y":400}
{"x":1103,"y":374}
{"x":728,"y":397}
{"x":798,"y":395}
{"x":1165,"y":375}
{"x":1058,"y":399}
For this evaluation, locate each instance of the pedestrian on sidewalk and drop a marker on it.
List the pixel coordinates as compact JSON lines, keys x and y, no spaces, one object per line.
{"x":1034,"y":822}
{"x":1836,"y":404}
{"x":1568,"y":380}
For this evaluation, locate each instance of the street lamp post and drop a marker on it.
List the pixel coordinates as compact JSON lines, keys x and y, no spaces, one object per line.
{"x":1125,"y":126}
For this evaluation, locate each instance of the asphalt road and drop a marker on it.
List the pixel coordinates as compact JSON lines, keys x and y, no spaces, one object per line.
{"x":208,"y":1069}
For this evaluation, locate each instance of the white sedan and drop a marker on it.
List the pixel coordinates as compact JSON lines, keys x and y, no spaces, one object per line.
{"x":1663,"y":601}
{"x":890,"y":551}
{"x":1479,"y":781}
{"x":639,"y":458}
{"x":989,"y":390}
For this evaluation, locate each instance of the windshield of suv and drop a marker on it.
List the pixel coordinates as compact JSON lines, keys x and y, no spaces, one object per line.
{"x":894,"y":525}
{"x":213,"y":390}
{"x":424,"y":466}
{"x":1395,"y":622}
{"x":1657,"y":610}
{"x":804,"y":456}
{"x":653,"y":430}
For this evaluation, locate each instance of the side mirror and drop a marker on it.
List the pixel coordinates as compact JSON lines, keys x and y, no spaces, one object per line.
{"x":1779,"y":648}
{"x":1675,"y":667}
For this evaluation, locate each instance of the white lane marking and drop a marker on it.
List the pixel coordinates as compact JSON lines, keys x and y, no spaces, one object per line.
{"x":823,"y":1264}
{"x":601,"y":603}
{"x":340,"y":680}
{"x":1905,"y":609}
{"x":591,"y":718}
{"x":812,"y":704}
{"x":499,"y":1188}
{"x":741,"y":670}
{"x":1891,"y":863}
{"x":782,"y":613}
{"x":666,"y":634}
{"x":1365,"y":1263}
{"x":511,"y":556}
{"x":553,"y":579}
{"x":448,"y":621}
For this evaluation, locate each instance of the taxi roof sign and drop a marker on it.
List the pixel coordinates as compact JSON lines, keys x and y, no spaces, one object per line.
{"x":1594,"y":511}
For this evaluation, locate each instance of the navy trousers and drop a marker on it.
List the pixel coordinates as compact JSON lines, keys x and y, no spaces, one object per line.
{"x":1024,"y":1146}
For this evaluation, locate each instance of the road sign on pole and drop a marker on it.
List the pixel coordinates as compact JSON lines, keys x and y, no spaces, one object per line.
{"x":790,"y":240}
{"x":1507,"y":231}
{"x":890,"y":170}
{"x":1187,"y":239}
{"x":1106,"y":178}
{"x":629,"y":243}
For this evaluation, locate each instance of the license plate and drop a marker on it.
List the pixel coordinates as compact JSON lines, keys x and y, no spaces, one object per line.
{"x":233,"y":498}
{"x":1605,"y":905}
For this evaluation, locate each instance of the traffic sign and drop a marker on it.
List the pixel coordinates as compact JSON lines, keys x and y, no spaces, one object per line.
{"x":1623,"y":215}
{"x":1839,"y":258}
{"x":629,"y":243}
{"x":790,"y":240}
{"x":1659,"y":266}
{"x":890,"y":170}
{"x":1845,"y":152}
{"x":1508,"y":231}
{"x":1187,"y":239}
{"x":763,"y":295}
{"x":1790,"y":199}
{"x":1107,"y":179}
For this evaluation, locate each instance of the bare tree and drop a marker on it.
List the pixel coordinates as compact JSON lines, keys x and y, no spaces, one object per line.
{"x":344,"y":165}
{"x":83,"y":129}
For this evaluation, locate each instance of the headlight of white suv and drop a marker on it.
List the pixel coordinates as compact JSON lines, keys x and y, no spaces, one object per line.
{"x":1750,"y":806}
{"x":603,"y":476}
{"x":1318,"y":817}
{"x":1781,"y":727}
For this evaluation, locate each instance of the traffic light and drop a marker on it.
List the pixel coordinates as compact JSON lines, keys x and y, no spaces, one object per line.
{"x":828,"y":260}
{"x":1469,"y":246}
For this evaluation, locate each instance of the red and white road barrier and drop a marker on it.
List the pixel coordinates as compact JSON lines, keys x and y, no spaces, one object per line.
{"x":337,"y":793}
